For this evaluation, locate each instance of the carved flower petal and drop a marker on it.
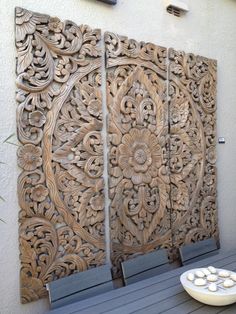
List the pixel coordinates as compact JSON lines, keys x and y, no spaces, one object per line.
{"x":137,"y":178}
{"x":97,"y":202}
{"x":123,"y":162}
{"x":37,"y":118}
{"x":128,"y":172}
{"x":127,"y":140}
{"x":147,"y":178}
{"x":39,"y":193}
{"x":29,"y":157}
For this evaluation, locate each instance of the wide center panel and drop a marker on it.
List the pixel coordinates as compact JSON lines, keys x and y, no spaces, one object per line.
{"x":138,"y":147}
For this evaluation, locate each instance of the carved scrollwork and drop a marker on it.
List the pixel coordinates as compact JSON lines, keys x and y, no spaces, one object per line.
{"x":162,"y":173}
{"x":59,"y":120}
{"x":138,"y":132}
{"x":192,"y":92}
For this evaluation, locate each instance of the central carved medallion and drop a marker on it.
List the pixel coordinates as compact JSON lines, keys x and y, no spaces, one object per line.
{"x":139,"y":156}
{"x":139,"y":182}
{"x":162,"y":174}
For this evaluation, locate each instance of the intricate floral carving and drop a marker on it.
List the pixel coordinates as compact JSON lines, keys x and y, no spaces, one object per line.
{"x":138,"y":133}
{"x":39,"y":193}
{"x":37,"y":118}
{"x":162,"y":175}
{"x":139,"y":156}
{"x":59,"y":119}
{"x":29,"y":157}
{"x":192,"y":92}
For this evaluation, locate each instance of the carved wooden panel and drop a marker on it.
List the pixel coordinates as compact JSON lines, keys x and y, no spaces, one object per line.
{"x":59,"y":120}
{"x":192,"y":91}
{"x":138,"y":157}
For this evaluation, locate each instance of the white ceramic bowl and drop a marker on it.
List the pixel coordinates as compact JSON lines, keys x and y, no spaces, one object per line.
{"x":223,"y":296}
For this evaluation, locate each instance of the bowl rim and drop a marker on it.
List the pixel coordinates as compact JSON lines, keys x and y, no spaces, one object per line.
{"x":203,"y":289}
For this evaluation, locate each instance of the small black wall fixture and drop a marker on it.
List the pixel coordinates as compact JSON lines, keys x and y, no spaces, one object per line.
{"x":109,"y":1}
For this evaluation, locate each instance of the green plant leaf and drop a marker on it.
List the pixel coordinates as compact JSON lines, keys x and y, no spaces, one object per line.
{"x":8,"y":138}
{"x":12,"y":143}
{"x":1,"y":198}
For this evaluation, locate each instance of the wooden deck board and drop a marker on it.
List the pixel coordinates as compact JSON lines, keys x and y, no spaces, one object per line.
{"x":163,"y":292}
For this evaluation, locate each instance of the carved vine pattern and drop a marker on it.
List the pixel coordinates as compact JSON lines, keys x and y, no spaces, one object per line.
{"x":162,"y":174}
{"x":138,"y":156}
{"x":59,"y":119}
{"x":192,"y":91}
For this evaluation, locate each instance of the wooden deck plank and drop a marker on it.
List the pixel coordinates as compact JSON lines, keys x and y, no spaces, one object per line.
{"x":164,"y":304}
{"x":230,"y":310}
{"x":113,"y":295}
{"x":177,"y":299}
{"x":132,"y":293}
{"x":147,"y":296}
{"x":185,"y":307}
{"x":208,"y":310}
{"x":151,"y":299}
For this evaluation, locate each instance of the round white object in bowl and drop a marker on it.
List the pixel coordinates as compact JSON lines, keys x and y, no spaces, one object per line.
{"x":218,"y":296}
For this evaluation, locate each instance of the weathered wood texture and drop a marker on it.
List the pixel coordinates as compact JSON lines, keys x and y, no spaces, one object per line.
{"x":192,"y":91}
{"x":138,"y":156}
{"x":159,"y":294}
{"x":162,"y":174}
{"x":59,"y":119}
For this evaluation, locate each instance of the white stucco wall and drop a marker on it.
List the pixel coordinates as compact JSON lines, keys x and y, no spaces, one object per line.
{"x":209,"y":29}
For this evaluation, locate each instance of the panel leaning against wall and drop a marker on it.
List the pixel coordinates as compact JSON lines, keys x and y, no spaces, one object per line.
{"x":138,"y":158}
{"x":192,"y":91}
{"x":59,"y":120}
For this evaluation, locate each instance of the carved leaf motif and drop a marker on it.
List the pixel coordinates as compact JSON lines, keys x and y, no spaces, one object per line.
{"x":26,"y":22}
{"x":193,"y":130}
{"x":138,"y":183}
{"x":160,"y":176}
{"x":25,"y":56}
{"x":59,"y":119}
{"x":28,"y":254}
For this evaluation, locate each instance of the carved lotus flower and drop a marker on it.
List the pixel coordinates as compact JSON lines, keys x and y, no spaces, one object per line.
{"x":37,"y":118}
{"x":26,"y":22}
{"x":55,"y":25}
{"x":97,"y":202}
{"x":39,"y":193}
{"x":24,"y":25}
{"x":29,"y":157}
{"x":140,"y":156}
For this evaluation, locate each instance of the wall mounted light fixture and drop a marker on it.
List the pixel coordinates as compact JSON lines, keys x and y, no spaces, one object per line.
{"x":176,"y":7}
{"x":109,"y":1}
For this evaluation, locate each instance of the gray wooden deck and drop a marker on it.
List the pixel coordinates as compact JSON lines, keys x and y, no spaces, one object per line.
{"x":159,"y":294}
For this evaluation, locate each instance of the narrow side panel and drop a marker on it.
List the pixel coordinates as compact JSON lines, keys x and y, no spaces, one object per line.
{"x":192,"y":92}
{"x":59,"y":121}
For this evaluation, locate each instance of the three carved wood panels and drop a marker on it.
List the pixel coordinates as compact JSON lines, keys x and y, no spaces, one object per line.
{"x":162,"y":177}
